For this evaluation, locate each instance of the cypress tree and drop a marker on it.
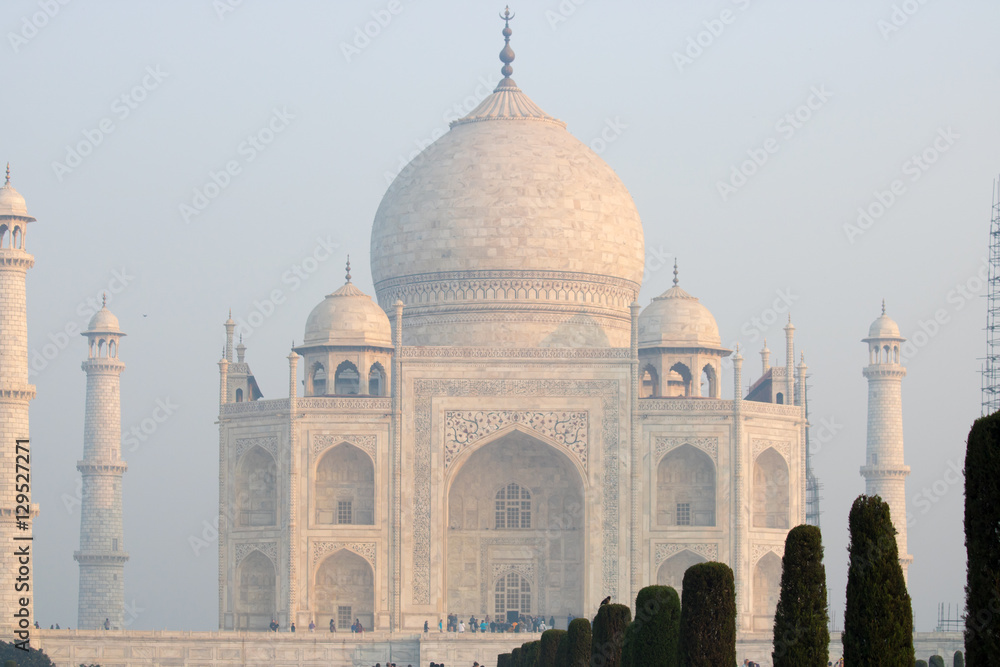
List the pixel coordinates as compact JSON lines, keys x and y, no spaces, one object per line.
{"x":878,"y":620}
{"x":655,"y":639}
{"x":515,"y":657}
{"x":982,"y":542}
{"x":549,"y":648}
{"x":609,"y":635}
{"x":628,"y":644}
{"x":578,"y":640}
{"x":503,"y":660}
{"x":935,"y":661}
{"x":801,"y":635}
{"x":529,"y":653}
{"x":708,"y":616}
{"x":920,"y":663}
{"x":562,"y":653}
{"x":958,"y":660}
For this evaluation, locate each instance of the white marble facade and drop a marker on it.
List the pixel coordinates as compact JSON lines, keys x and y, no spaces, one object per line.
{"x":503,"y":430}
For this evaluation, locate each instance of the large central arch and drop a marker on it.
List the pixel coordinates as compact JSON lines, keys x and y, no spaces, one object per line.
{"x":515,"y":506}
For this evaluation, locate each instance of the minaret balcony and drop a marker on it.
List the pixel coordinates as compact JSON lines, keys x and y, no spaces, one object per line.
{"x":101,"y":467}
{"x":885,"y":472}
{"x":101,"y":557}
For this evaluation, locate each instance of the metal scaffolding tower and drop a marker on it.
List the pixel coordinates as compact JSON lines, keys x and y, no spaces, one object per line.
{"x":991,"y":371}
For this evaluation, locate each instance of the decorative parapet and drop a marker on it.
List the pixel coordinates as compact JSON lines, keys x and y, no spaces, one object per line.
{"x":278,"y":405}
{"x":568,"y":353}
{"x":716,"y":405}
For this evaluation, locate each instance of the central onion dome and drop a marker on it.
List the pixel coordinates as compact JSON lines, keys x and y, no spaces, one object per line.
{"x":508,"y":231}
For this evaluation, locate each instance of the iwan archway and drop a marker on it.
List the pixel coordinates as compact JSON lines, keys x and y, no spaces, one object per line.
{"x":515,"y":533}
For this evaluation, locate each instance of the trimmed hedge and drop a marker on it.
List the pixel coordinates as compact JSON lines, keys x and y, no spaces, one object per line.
{"x":653,"y":638}
{"x":549,"y":648}
{"x":578,"y":641}
{"x":982,"y":545}
{"x":609,"y":635}
{"x":801,"y":633}
{"x":708,"y":616}
{"x":878,"y":620}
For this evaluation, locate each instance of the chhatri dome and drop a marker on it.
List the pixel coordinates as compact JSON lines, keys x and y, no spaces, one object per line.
{"x":348,"y":317}
{"x":883,"y":326}
{"x":11,"y":201}
{"x":509,"y":231}
{"x":103,"y":320}
{"x":677,"y":319}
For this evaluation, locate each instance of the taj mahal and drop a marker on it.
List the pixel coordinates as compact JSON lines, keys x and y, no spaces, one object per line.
{"x":502,"y":428}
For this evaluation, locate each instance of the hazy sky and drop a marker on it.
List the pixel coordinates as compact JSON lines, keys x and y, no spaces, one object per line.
{"x":161,"y":95}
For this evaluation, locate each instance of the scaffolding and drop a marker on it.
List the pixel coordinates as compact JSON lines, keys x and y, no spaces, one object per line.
{"x":948,"y":623}
{"x":991,"y":370}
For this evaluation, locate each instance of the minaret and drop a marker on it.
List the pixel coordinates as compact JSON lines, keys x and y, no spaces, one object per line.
{"x":789,"y":362}
{"x":884,"y":470}
{"x":765,"y":359}
{"x":15,"y":393}
{"x":102,"y":553}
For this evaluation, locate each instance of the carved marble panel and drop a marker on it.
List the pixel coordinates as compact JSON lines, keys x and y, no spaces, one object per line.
{"x":662,"y":445}
{"x":462,"y":428}
{"x":323,"y":441}
{"x":267,"y":443}
{"x":708,"y":550}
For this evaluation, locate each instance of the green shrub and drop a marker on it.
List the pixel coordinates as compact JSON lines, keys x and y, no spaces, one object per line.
{"x":982,"y":542}
{"x":958,"y":660}
{"x":654,"y":637}
{"x":578,"y":643}
{"x":549,"y":648}
{"x":708,"y":616}
{"x":878,"y":619}
{"x":609,"y":635}
{"x":935,"y":661}
{"x":801,"y":633}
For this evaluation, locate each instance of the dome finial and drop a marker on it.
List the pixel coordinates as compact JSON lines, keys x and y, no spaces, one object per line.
{"x":8,"y":174}
{"x":507,"y":53}
{"x":675,"y":272}
{"x":348,"y":268}
{"x":883,"y":306}
{"x":104,"y":300}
